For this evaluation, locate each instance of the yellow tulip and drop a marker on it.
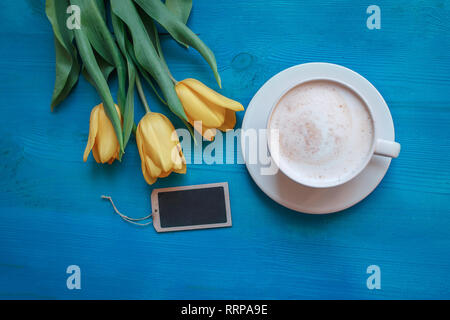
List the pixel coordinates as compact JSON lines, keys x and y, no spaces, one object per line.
{"x":159,"y":147}
{"x":203,"y":104}
{"x":102,"y":137}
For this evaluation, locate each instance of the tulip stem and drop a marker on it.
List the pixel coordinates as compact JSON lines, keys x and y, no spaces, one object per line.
{"x":171,"y":77}
{"x":141,"y":94}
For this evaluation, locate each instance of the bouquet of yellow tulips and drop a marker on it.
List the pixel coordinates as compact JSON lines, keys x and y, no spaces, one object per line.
{"x":86,"y":43}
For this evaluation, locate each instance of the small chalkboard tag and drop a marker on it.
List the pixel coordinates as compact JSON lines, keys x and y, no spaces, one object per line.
{"x":191,"y":207}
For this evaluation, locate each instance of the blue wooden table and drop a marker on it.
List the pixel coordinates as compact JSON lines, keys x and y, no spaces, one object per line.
{"x":52,"y":215}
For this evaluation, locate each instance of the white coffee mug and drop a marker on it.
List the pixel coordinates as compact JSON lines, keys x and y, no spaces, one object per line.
{"x":379,"y":147}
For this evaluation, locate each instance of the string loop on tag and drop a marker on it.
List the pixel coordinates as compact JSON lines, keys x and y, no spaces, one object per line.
{"x":129,"y":219}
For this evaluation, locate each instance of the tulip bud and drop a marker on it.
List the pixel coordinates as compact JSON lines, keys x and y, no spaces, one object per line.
{"x":203,"y":104}
{"x":102,"y":137}
{"x":159,"y":147}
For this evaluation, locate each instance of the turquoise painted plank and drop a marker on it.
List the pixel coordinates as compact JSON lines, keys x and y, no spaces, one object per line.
{"x":52,"y":215}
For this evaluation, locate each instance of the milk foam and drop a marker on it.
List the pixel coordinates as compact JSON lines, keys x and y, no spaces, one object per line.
{"x":325,"y":131}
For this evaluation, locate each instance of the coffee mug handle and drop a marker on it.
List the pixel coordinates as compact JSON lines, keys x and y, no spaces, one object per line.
{"x":387,"y":148}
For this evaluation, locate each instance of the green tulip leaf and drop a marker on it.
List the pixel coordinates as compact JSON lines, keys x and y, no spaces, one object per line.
{"x":146,"y":54}
{"x":142,"y":71}
{"x":67,"y":66}
{"x":99,"y":81}
{"x":178,"y":30}
{"x":128,"y":114}
{"x":105,"y":67}
{"x":180,"y":8}
{"x":152,"y":31}
{"x":94,"y":25}
{"x":145,"y":74}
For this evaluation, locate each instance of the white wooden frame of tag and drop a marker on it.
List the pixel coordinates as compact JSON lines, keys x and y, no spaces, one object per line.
{"x":155,"y":208}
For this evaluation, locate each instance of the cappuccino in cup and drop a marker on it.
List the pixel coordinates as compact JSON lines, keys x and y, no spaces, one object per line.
{"x":325,"y":133}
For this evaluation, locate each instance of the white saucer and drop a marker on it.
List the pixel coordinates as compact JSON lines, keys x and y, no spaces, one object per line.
{"x":312,"y":200}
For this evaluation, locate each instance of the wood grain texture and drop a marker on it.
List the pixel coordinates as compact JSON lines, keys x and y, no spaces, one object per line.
{"x":52,"y":215}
